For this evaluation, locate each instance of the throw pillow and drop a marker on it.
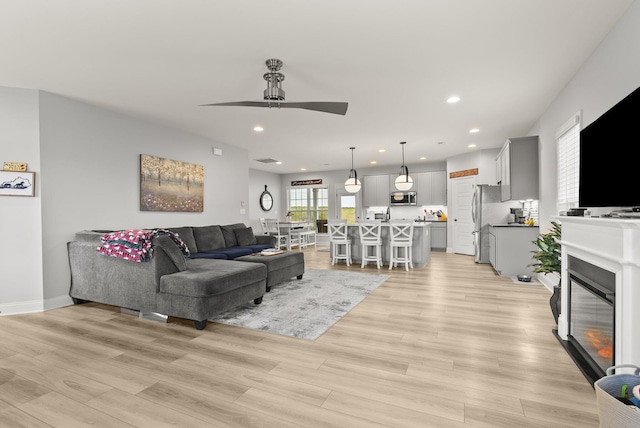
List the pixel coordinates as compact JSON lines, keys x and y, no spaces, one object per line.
{"x":245,"y":236}
{"x":172,"y":250}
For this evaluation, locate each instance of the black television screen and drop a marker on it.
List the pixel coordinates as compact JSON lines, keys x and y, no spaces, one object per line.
{"x":608,"y":162}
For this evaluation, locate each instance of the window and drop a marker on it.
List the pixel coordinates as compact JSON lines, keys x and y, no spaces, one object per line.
{"x":568,"y":146}
{"x":309,"y":203}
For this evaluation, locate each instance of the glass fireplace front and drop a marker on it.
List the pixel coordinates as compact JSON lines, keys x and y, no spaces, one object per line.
{"x":592,"y":313}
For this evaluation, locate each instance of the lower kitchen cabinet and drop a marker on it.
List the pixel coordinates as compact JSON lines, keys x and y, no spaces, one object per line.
{"x":439,"y":236}
{"x":510,"y":248}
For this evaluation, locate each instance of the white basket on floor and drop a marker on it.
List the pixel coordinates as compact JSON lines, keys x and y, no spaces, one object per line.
{"x":613,"y":413}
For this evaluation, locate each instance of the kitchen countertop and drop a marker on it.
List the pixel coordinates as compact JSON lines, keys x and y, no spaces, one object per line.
{"x":512,"y":225}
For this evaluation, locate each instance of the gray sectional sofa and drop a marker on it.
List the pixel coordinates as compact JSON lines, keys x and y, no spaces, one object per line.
{"x":197,"y":287}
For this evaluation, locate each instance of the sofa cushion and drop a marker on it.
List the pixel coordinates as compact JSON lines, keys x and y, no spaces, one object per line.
{"x":210,"y":277}
{"x":186,"y":234}
{"x":229,"y":234}
{"x":208,"y":238}
{"x":171,"y":249}
{"x":208,"y":255}
{"x":245,"y":236}
{"x":256,"y":248}
{"x":232,"y":252}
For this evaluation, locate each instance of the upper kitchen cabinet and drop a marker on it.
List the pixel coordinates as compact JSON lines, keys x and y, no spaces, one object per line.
{"x":431,"y":187}
{"x":517,"y":169}
{"x":376,"y":190}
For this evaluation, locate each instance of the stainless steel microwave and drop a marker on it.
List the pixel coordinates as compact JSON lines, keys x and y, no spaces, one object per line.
{"x":402,"y":198}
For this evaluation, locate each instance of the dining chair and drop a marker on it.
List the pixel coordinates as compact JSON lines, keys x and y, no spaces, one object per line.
{"x":371,"y":242}
{"x":263,"y":224}
{"x":400,"y":242}
{"x":339,"y":241}
{"x":305,"y":235}
{"x":272,"y":226}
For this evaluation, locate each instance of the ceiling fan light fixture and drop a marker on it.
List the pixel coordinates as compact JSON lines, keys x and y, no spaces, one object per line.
{"x":273,"y":96}
{"x":352,"y":185}
{"x":403,"y":180}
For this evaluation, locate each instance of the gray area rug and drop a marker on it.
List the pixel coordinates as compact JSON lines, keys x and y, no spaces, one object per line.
{"x":307,"y":307}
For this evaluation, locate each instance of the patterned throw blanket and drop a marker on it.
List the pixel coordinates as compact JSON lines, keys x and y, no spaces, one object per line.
{"x":135,"y":245}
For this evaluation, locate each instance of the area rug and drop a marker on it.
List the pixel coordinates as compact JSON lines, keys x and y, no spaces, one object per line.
{"x":305,"y":308}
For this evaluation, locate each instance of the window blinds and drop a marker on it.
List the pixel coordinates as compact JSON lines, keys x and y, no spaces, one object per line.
{"x":568,"y":144}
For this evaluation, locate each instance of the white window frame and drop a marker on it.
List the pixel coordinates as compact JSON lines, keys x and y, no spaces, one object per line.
{"x":568,"y":158}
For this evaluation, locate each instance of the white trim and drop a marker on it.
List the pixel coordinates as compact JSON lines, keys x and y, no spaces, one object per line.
{"x":21,"y":307}
{"x":57,"y":302}
{"x":574,"y":120}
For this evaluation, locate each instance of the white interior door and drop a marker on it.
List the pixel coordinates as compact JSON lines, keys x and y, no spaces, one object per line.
{"x":461,"y":218}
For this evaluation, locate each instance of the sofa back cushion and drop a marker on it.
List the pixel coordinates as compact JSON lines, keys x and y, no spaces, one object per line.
{"x":186,"y":234}
{"x":208,"y":238}
{"x":166,"y":244}
{"x":229,"y":233}
{"x":245,"y":236}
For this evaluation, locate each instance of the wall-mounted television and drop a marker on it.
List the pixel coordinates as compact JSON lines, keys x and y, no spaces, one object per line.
{"x":609,"y":167}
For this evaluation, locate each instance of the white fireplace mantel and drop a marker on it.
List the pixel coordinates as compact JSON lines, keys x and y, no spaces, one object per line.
{"x":612,"y":244}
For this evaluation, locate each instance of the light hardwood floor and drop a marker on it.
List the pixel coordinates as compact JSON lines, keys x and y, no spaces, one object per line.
{"x":447,"y":345}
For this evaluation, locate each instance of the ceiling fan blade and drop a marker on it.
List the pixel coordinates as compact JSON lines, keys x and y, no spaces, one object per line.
{"x":322,"y":106}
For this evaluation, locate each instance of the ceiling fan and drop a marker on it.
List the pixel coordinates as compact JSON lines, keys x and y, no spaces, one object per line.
{"x":274,"y":95}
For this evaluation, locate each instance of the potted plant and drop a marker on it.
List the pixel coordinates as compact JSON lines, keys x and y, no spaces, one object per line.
{"x":548,"y":261}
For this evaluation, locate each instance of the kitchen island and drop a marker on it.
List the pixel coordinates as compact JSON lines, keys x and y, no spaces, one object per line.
{"x":421,"y":244}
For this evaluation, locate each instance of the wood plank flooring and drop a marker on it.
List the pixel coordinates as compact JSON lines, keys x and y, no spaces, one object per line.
{"x":448,"y":345}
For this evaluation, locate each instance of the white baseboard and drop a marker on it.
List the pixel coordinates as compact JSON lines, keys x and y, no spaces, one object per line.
{"x":549,"y":280}
{"x":22,"y":307}
{"x":29,"y":307}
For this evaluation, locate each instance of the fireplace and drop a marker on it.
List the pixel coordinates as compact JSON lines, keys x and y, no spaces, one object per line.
{"x":591,"y":317}
{"x":600,"y":272}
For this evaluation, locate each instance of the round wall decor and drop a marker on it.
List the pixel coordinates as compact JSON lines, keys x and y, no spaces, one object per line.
{"x":266,"y":200}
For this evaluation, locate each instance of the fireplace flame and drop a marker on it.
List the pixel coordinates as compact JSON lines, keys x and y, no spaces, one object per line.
{"x":601,"y":342}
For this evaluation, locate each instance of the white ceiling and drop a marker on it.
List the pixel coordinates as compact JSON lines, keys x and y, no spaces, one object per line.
{"x":394,"y":62}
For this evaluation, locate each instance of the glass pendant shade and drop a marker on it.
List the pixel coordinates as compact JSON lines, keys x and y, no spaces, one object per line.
{"x":352,"y":185}
{"x":403,"y":181}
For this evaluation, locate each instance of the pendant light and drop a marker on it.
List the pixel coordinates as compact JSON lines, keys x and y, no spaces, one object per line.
{"x":403,"y":181}
{"x":352,"y":185}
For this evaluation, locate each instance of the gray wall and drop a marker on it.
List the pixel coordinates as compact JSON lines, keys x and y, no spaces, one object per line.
{"x":20,"y":217}
{"x":611,"y":73}
{"x":88,"y":169}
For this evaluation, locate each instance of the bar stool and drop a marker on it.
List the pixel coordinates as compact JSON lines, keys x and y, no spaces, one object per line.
{"x":400,"y":242}
{"x":338,"y":239}
{"x":371,"y":239}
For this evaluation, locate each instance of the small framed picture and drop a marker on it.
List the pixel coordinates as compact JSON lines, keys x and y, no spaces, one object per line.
{"x":15,"y":166}
{"x":17,"y":183}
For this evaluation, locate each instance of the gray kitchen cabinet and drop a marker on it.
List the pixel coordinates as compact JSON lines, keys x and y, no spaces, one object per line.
{"x":376,"y":190}
{"x":510,"y":249}
{"x":517,"y":169}
{"x":439,"y":235}
{"x":431,"y":187}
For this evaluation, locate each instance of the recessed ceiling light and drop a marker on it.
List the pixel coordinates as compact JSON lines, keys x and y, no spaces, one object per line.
{"x":474,"y":130}
{"x":373,"y":162}
{"x":382,"y":150}
{"x":258,"y":128}
{"x":453,"y":99}
{"x":471,"y":146}
{"x":303,"y":169}
{"x":279,"y":163}
{"x":423,"y":157}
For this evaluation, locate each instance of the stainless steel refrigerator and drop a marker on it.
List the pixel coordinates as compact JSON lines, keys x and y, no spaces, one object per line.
{"x":487,"y":209}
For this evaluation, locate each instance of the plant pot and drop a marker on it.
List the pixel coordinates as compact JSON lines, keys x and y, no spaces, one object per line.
{"x":554,"y":302}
